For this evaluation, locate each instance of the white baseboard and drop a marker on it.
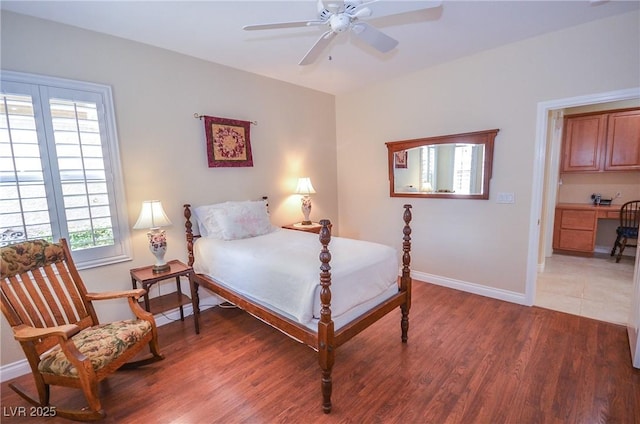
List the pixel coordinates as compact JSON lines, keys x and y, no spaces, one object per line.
{"x":506,"y":295}
{"x":13,"y":370}
{"x":631,"y":252}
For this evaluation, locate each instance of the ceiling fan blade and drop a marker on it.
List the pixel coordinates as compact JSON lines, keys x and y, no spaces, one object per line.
{"x":318,"y":47}
{"x":387,"y":8}
{"x":334,"y":6}
{"x":374,"y":37}
{"x":282,"y":25}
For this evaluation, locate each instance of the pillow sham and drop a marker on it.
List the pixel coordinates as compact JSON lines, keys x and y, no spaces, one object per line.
{"x":207,"y":224}
{"x":233,"y":219}
{"x":244,"y":220}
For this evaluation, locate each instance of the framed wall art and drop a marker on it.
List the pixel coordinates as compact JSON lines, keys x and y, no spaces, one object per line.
{"x":400,"y":159}
{"x":228,"y":142}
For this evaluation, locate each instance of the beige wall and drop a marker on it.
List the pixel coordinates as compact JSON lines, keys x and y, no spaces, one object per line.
{"x":474,"y":242}
{"x":480,"y":242}
{"x":156,"y":93}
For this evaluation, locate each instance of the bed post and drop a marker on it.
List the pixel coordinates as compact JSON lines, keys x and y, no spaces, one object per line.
{"x":405,"y":280}
{"x":326,"y":349}
{"x":189,"y":233}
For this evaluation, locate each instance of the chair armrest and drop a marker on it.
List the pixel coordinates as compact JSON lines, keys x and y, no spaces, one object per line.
{"x":135,"y":293}
{"x":132,"y":295}
{"x":25,"y":333}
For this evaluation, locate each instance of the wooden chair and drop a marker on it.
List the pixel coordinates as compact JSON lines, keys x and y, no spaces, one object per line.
{"x":628,"y":229}
{"x":52,"y":316}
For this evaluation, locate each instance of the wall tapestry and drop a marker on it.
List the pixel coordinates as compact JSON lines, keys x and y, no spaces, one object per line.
{"x":400,"y":159}
{"x":228,"y":142}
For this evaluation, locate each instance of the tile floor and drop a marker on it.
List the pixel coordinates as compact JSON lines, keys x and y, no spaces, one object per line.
{"x":595,"y":287}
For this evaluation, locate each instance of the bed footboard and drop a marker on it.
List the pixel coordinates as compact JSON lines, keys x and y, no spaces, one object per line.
{"x":326,"y":334}
{"x":328,"y":340}
{"x":405,"y":279}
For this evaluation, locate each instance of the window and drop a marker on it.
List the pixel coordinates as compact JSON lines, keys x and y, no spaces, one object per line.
{"x":462,"y":168}
{"x":460,"y":165}
{"x":59,"y":167}
{"x":428,"y":180}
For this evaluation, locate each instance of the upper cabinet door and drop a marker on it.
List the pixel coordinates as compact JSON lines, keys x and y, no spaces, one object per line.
{"x":584,"y":141}
{"x":623,"y":141}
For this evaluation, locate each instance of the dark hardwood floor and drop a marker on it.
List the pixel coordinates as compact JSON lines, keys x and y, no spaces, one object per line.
{"x":469,"y":359}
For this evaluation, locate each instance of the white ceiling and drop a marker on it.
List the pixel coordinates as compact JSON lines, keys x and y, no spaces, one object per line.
{"x":212,"y":30}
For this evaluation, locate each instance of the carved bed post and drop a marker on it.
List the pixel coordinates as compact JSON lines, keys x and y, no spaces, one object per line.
{"x":194,"y":286}
{"x":189,"y":233}
{"x":405,"y":280}
{"x":326,"y":350}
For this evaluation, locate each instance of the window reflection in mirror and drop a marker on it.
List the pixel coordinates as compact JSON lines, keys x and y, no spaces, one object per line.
{"x":453,"y":166}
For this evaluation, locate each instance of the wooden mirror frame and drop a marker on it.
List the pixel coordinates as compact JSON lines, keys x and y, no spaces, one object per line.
{"x":485,"y":138}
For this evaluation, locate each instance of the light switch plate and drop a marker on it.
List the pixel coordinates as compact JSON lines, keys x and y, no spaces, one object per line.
{"x":506,"y":198}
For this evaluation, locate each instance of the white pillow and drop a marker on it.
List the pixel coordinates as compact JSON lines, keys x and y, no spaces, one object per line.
{"x":207,"y":223}
{"x":243,"y":220}
{"x":232,"y":220}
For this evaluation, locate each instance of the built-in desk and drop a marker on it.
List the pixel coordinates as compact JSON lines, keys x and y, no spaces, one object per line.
{"x":576,"y":225}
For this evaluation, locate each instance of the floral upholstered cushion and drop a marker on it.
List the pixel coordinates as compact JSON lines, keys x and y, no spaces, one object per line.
{"x":102,"y":344}
{"x":21,"y":257}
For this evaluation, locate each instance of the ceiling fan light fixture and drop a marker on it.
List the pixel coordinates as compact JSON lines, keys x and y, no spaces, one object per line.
{"x":340,"y":22}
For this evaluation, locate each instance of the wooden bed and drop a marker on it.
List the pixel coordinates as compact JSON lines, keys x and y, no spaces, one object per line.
{"x":327,"y":338}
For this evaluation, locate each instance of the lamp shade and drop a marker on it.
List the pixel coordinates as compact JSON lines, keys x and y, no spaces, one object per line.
{"x":151,"y":216}
{"x":304,"y":186}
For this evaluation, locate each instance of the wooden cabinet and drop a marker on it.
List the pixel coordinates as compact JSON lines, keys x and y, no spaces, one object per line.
{"x":574,"y":230}
{"x":598,"y":142}
{"x":576,"y":225}
{"x":584,"y":143}
{"x":623,"y":141}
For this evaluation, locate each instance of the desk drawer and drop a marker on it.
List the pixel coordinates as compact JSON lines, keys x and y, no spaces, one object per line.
{"x":604,"y":214}
{"x":578,"y":220}
{"x":574,"y":230}
{"x":576,"y":240}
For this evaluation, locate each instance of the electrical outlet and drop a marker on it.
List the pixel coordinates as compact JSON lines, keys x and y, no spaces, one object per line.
{"x":618,"y":194}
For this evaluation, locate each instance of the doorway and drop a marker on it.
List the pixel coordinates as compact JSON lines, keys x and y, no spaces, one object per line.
{"x":543,"y":197}
{"x":595,"y":287}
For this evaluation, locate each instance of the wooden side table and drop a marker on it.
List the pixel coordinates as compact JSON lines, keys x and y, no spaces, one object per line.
{"x":146,"y":277}
{"x":313,"y":228}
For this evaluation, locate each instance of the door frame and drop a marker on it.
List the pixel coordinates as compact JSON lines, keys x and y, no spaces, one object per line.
{"x":544,"y":110}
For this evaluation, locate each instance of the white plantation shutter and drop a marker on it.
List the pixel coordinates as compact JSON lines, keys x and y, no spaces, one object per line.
{"x":59,"y":167}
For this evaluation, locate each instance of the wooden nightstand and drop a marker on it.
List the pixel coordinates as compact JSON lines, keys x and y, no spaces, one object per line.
{"x":313,"y":228}
{"x":146,"y":277}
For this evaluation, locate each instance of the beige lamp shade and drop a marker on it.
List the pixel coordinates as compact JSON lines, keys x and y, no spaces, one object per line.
{"x":152,"y":216}
{"x":304,"y":186}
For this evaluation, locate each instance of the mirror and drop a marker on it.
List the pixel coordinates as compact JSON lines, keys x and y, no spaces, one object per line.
{"x":454,"y":166}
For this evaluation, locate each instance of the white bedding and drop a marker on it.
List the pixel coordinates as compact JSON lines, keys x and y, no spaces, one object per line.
{"x":281,"y":270}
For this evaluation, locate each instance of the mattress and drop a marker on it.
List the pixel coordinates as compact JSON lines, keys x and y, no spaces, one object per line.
{"x":280,"y":270}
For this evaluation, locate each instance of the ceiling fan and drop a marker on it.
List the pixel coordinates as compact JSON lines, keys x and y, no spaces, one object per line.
{"x":340,"y":16}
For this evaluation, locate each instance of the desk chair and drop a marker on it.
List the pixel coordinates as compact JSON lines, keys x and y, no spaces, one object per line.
{"x":628,"y":229}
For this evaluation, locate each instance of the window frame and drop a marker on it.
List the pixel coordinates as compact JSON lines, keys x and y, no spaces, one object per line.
{"x":92,"y":257}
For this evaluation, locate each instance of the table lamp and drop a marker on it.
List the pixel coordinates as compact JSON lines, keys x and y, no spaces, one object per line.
{"x":152,"y":216}
{"x":305,"y":188}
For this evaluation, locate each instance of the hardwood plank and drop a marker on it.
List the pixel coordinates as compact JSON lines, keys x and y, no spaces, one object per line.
{"x":469,"y":359}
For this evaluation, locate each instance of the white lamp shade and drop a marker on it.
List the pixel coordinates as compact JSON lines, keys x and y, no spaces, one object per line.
{"x":304,"y":186}
{"x":151,"y":216}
